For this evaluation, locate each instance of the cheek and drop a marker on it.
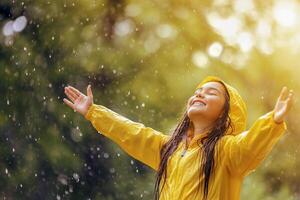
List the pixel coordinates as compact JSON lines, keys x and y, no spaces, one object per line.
{"x":188,"y":103}
{"x":215,"y":104}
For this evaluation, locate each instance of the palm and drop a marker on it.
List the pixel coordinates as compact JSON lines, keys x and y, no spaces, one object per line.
{"x":79,"y":101}
{"x":283,"y":104}
{"x":81,"y":104}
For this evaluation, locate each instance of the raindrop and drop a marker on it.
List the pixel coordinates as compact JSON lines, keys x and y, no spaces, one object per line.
{"x":76,"y":177}
{"x":112,"y":170}
{"x":106,"y":155}
{"x":62,"y":179}
{"x":19,"y":24}
{"x":7,"y":29}
{"x":71,"y":189}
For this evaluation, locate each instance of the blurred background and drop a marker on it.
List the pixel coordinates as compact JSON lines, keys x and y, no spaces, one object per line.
{"x":143,"y":60}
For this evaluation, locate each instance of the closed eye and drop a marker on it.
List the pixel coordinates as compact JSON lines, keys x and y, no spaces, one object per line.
{"x":210,"y":93}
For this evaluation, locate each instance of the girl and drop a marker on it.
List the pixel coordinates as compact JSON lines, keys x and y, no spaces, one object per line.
{"x":209,"y":149}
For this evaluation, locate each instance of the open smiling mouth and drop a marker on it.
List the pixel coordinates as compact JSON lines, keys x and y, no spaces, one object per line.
{"x":198,"y":103}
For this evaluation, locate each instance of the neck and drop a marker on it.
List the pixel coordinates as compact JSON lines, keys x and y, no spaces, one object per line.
{"x":200,"y":127}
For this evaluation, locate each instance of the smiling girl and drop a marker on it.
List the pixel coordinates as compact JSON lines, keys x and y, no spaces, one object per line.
{"x":209,"y":148}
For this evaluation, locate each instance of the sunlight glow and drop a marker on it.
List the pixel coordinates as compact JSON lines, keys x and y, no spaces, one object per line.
{"x":227,"y":27}
{"x":285,"y":13}
{"x":166,"y":31}
{"x":243,"y":5}
{"x":245,"y":41}
{"x":124,"y":27}
{"x":263,"y":29}
{"x":215,"y":49}
{"x":200,"y":59}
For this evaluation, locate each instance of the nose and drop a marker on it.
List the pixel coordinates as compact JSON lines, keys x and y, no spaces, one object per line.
{"x":199,"y":94}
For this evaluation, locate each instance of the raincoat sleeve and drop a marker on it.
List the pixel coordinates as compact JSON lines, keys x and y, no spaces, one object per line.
{"x":142,"y":143}
{"x":247,"y":150}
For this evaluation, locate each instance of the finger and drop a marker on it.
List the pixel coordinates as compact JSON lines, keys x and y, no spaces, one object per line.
{"x":290,"y":101}
{"x":290,"y":97}
{"x":75,"y":96}
{"x":77,"y":92}
{"x":67,"y":92}
{"x":283,"y":93}
{"x":89,"y":91}
{"x":69,"y":103}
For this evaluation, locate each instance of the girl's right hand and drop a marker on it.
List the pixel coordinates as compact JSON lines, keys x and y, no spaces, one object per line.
{"x":79,"y":101}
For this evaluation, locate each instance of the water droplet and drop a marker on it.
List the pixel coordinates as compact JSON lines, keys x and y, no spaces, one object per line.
{"x":76,"y":177}
{"x":106,"y":155}
{"x":112,"y":170}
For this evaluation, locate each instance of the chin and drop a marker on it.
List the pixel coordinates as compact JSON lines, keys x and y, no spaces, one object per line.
{"x":195,"y":113}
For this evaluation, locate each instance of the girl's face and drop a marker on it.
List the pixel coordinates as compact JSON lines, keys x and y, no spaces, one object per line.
{"x":207,"y":102}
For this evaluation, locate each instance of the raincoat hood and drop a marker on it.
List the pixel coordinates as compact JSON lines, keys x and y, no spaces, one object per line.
{"x":238,"y":109}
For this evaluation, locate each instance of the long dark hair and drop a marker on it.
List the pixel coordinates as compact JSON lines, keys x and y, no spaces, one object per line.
{"x":207,"y":161}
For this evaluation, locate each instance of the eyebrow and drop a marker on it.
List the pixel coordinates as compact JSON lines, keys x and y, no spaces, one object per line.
{"x":209,"y":89}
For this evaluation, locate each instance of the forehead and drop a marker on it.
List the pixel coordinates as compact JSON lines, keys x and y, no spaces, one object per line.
{"x":214,"y":85}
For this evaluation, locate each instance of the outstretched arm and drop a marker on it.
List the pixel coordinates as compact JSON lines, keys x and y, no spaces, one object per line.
{"x":142,"y":143}
{"x":246,"y":151}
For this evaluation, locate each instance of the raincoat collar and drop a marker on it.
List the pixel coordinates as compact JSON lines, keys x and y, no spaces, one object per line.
{"x":190,"y":139}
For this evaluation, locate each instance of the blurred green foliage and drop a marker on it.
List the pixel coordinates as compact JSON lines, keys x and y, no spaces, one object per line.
{"x":143,"y":60}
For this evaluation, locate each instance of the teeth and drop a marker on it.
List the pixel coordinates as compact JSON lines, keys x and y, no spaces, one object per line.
{"x":198,"y":103}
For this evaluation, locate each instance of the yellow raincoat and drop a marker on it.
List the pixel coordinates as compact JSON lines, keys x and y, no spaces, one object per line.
{"x":239,"y":153}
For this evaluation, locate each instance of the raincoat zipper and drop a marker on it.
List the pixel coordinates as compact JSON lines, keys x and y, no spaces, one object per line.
{"x":183,"y":153}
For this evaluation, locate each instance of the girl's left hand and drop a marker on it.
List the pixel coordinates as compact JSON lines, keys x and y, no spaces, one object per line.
{"x":283,"y":104}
